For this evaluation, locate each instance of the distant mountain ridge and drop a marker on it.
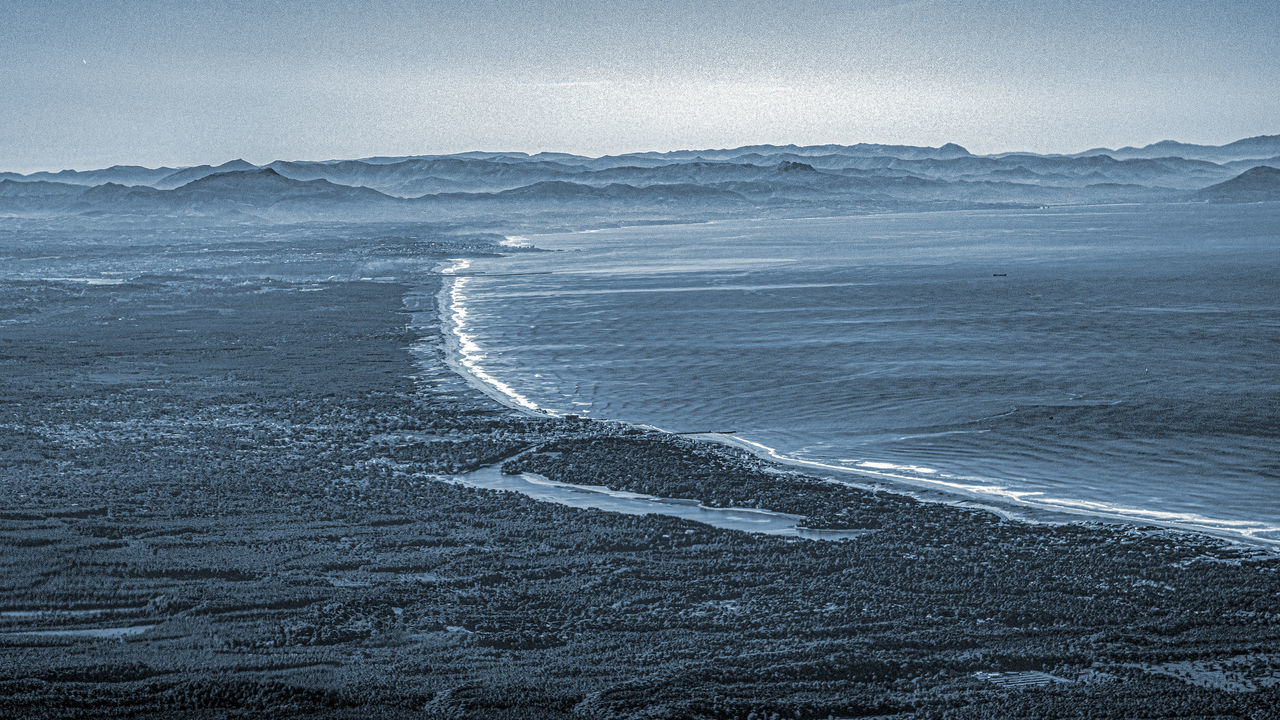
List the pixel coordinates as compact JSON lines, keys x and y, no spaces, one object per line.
{"x":186,"y":175}
{"x":686,"y":183}
{"x":120,"y":174}
{"x":1261,"y":146}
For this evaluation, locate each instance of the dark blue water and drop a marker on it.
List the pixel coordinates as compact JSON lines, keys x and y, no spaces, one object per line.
{"x":1124,"y":360}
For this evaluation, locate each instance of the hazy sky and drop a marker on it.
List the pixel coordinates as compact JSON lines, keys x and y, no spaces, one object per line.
{"x":89,"y":84}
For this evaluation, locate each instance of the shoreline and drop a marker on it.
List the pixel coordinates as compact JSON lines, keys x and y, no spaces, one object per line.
{"x":1006,"y":507}
{"x":455,"y":339}
{"x":529,"y":235}
{"x":1009,"y":508}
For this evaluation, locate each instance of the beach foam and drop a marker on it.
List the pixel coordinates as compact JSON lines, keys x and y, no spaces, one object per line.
{"x":467,"y":355}
{"x":87,"y":280}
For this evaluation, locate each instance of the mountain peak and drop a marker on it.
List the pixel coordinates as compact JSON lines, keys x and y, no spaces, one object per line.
{"x":793,"y":166}
{"x":240,"y":179}
{"x":1261,"y":171}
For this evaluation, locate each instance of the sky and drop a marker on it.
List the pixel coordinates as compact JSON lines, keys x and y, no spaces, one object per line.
{"x":92,"y":84}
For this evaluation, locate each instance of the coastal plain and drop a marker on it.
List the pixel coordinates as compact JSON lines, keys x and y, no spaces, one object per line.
{"x":227,"y":488}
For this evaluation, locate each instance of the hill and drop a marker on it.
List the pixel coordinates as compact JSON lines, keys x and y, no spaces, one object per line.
{"x":1260,"y":184}
{"x":186,"y":175}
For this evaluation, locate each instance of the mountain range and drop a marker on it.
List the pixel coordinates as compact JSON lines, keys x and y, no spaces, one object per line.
{"x":757,"y":178}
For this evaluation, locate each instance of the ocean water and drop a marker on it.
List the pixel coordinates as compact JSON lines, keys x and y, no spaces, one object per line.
{"x":1123,"y":361}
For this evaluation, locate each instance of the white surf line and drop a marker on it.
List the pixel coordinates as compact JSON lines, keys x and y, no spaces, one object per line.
{"x":1236,"y":530}
{"x":86,"y":280}
{"x":461,"y":351}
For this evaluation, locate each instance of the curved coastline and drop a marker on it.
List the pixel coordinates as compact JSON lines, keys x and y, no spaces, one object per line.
{"x":1009,"y":504}
{"x":463,"y":356}
{"x":461,"y":352}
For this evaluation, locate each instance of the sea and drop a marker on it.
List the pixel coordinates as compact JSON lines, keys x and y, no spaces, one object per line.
{"x":1119,"y":362}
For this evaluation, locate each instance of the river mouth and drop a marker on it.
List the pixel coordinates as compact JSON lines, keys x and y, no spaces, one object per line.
{"x":752,"y":520}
